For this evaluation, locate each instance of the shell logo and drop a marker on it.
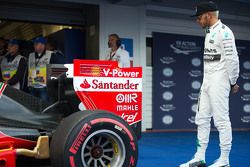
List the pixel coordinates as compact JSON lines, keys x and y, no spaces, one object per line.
{"x":96,"y":71}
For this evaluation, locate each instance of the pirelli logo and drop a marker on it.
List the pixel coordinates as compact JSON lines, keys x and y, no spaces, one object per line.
{"x":212,"y":57}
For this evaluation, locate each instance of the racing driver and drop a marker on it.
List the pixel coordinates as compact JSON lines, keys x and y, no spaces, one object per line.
{"x":221,"y":70}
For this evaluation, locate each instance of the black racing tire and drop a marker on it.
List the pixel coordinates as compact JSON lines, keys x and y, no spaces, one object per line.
{"x":93,"y":139}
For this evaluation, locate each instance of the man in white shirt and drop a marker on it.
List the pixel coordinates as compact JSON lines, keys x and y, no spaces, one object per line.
{"x":221,"y":70}
{"x":116,"y":53}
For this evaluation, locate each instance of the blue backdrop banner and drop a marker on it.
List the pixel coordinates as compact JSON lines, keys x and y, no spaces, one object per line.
{"x":177,"y":77}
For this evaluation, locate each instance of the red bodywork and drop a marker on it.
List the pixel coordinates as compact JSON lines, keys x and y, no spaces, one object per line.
{"x":103,"y":85}
{"x":8,"y":145}
{"x":122,"y":91}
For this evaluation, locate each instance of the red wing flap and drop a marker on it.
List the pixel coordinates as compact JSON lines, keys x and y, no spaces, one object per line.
{"x":7,"y":158}
{"x":7,"y":142}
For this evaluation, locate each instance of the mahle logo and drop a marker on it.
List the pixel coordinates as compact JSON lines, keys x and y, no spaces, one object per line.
{"x":185,"y":47}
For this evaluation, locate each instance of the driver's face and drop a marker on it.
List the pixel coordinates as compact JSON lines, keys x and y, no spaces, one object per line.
{"x":203,"y":20}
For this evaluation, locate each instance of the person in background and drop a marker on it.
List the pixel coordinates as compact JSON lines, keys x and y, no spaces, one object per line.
{"x":37,"y":69}
{"x":58,"y":57}
{"x":13,"y":66}
{"x":116,"y":53}
{"x":221,"y":71}
{"x":3,"y":50}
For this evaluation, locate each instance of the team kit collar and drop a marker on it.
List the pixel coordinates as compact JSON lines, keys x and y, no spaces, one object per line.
{"x":215,"y":25}
{"x":208,"y":29}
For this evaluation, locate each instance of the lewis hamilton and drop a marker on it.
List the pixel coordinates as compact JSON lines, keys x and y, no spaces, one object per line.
{"x":221,"y":70}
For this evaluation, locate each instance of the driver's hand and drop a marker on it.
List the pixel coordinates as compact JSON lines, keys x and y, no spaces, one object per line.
{"x":235,"y":89}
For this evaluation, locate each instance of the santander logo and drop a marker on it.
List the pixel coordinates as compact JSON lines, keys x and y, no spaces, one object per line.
{"x":85,"y":84}
{"x":96,"y":84}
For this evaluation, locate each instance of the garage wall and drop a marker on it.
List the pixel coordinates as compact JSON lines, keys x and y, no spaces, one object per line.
{"x":127,"y":22}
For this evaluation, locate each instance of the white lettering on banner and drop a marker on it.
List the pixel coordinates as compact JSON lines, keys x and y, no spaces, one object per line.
{"x":127,"y":107}
{"x":108,"y":84}
{"x":129,"y":117}
{"x":126,"y":98}
{"x":117,"y":73}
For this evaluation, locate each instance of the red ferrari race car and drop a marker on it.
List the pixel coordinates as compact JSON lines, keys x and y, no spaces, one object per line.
{"x":93,"y":118}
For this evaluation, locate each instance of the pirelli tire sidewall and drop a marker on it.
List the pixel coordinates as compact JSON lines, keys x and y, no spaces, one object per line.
{"x":67,"y":141}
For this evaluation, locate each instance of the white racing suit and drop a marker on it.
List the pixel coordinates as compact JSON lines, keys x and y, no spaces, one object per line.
{"x":221,"y":70}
